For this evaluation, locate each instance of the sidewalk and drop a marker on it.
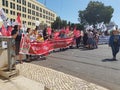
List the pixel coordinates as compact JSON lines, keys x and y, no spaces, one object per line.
{"x":20,"y":83}
{"x":55,"y":80}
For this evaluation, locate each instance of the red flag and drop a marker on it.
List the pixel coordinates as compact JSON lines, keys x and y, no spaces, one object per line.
{"x":9,"y":30}
{"x":56,"y":35}
{"x":74,"y":31}
{"x":18,"y":20}
{"x":77,"y":33}
{"x":49,"y":31}
{"x":67,"y":30}
{"x":63,"y":30}
{"x":4,"y":31}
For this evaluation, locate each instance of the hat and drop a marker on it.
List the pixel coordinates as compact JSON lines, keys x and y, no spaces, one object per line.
{"x":117,"y":31}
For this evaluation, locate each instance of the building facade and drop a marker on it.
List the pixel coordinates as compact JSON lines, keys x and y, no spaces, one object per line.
{"x":30,"y":10}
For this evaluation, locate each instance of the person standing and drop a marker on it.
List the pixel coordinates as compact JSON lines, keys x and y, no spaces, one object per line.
{"x":77,"y":37}
{"x":17,"y":34}
{"x":114,"y":43}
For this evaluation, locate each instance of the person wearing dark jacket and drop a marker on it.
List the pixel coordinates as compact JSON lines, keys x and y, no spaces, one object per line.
{"x":114,"y":43}
{"x":17,"y":34}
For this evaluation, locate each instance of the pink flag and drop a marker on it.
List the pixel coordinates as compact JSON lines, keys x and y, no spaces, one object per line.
{"x":67,"y":30}
{"x":9,"y":30}
{"x":18,"y":20}
{"x":74,"y":31}
{"x":4,"y":31}
{"x":49,"y":31}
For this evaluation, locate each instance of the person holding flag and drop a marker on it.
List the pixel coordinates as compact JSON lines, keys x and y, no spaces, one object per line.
{"x":17,"y":35}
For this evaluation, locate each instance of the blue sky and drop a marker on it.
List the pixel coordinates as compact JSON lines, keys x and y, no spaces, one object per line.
{"x":68,"y":9}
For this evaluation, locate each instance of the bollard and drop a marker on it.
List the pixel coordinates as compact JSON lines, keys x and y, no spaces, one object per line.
{"x":7,"y":54}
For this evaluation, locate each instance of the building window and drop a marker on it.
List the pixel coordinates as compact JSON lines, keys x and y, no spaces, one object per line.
{"x":37,"y":8}
{"x":24,"y":2}
{"x":12,"y":12}
{"x":5,"y":3}
{"x":37,"y":19}
{"x":37,"y":14}
{"x":7,"y":11}
{"x":19,"y":1}
{"x":49,"y":18}
{"x":40,"y":9}
{"x":29,"y":4}
{"x":23,"y":9}
{"x":49,"y":13}
{"x":43,"y":11}
{"x":33,"y":24}
{"x":33,"y":6}
{"x":24,"y":22}
{"x":19,"y":7}
{"x":29,"y":17}
{"x":33,"y":18}
{"x":12,"y":5}
{"x":53,"y":15}
{"x":33,"y":12}
{"x":40,"y":14}
{"x":43,"y":16}
{"x":29,"y":23}
{"x":29,"y":11}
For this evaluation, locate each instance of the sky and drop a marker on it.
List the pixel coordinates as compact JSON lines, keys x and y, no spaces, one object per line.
{"x":68,"y":9}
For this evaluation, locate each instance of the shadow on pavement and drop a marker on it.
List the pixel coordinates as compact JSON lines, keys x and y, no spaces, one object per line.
{"x":108,"y":60}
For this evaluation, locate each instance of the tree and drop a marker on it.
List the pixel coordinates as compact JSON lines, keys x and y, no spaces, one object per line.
{"x":96,"y":12}
{"x":56,"y":23}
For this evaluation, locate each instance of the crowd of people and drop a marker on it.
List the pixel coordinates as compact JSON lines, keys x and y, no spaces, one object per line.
{"x":88,"y":39}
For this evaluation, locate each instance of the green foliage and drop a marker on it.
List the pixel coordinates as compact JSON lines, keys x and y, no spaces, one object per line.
{"x":58,"y":24}
{"x":96,"y":12}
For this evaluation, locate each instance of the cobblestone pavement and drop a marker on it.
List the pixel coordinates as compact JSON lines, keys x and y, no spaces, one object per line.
{"x":55,"y":80}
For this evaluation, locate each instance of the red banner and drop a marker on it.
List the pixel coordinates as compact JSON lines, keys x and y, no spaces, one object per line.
{"x":40,"y":48}
{"x":43,"y":48}
{"x":62,"y":42}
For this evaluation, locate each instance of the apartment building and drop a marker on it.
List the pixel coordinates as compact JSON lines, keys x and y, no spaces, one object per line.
{"x":30,"y":10}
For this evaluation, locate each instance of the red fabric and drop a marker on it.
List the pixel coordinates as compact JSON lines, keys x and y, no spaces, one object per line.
{"x":40,"y":48}
{"x":24,"y":44}
{"x":4,"y":31}
{"x":62,"y":42}
{"x":56,"y":35}
{"x":76,"y":32}
{"x":49,"y":31}
{"x":9,"y":31}
{"x":67,"y":30}
{"x":45,"y":47}
{"x":18,"y":20}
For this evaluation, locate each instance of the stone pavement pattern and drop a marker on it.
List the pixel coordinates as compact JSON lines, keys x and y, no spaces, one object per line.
{"x":55,"y":80}
{"x":20,"y":83}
